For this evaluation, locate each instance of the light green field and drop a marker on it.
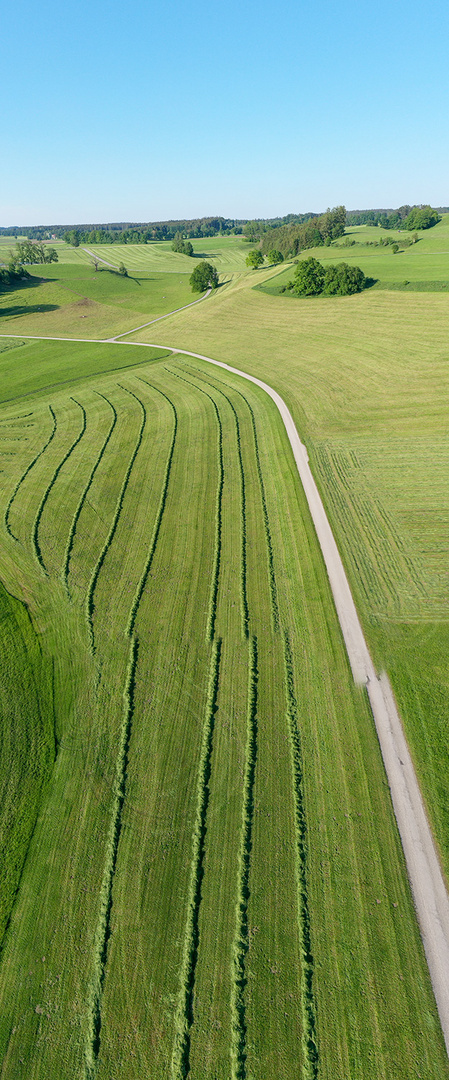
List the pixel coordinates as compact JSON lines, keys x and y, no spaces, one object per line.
{"x":214,"y":884}
{"x":227,"y":253}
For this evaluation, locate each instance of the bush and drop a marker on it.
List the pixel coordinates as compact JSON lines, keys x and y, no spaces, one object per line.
{"x":309,"y":278}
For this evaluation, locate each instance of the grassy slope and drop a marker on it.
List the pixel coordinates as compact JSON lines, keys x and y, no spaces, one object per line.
{"x":372,"y":1007}
{"x":366,"y":378}
{"x":424,"y":266}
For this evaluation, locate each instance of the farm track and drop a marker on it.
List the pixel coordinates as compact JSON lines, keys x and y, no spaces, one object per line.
{"x":25,"y":474}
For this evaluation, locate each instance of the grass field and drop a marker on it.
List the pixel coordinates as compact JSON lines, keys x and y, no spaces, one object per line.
{"x":214,"y":883}
{"x":204,"y":875}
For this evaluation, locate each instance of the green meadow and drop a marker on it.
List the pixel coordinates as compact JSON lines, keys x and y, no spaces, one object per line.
{"x":204,"y":875}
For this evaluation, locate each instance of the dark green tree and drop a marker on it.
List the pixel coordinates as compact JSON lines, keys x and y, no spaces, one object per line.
{"x":204,"y":277}
{"x":254,"y":259}
{"x":343,"y":280}
{"x":309,"y":278}
{"x":275,"y":256}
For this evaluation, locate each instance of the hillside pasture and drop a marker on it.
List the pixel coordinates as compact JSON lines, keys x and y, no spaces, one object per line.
{"x":215,"y":883}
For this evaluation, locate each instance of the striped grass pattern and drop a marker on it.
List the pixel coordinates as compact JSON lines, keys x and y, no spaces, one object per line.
{"x":103,"y":932}
{"x":241,"y":940}
{"x":159,"y":516}
{"x":76,"y":516}
{"x":180,"y":1065}
{"x":41,"y":508}
{"x":310,"y":1049}
{"x":25,"y":474}
{"x":90,"y":598}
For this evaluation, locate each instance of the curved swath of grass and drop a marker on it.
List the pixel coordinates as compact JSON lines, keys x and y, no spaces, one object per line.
{"x":103,"y":933}
{"x":90,"y":598}
{"x":159,"y":516}
{"x":76,"y":516}
{"x":244,"y":595}
{"x":269,"y":543}
{"x":180,"y":1066}
{"x":218,"y":510}
{"x":241,"y":941}
{"x":310,"y":1050}
{"x":25,"y":474}
{"x":41,"y":508}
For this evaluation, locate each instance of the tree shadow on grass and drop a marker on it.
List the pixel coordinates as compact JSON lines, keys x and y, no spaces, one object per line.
{"x":27,"y":309}
{"x":370,"y":282}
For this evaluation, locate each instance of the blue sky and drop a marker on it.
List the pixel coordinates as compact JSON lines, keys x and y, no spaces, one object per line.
{"x":145,"y":111}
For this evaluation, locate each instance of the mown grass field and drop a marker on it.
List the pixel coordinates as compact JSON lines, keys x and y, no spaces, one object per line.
{"x":214,"y":884}
{"x":366,"y":378}
{"x":227,"y":253}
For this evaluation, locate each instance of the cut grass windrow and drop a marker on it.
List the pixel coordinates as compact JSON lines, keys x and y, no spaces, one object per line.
{"x":25,"y":474}
{"x":180,"y":1066}
{"x":241,"y":940}
{"x":159,"y":516}
{"x":218,"y":512}
{"x":269,"y":543}
{"x":90,"y":598}
{"x":243,"y":575}
{"x":103,"y":932}
{"x":308,"y":1007}
{"x":37,"y":520}
{"x":71,"y":538}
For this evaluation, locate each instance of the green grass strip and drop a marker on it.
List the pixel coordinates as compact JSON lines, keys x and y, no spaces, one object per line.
{"x":243,"y":574}
{"x":241,"y":940}
{"x":212,"y":616}
{"x":103,"y":932}
{"x":71,"y":538}
{"x":180,"y":1065}
{"x":308,"y":1006}
{"x":90,"y":598}
{"x":159,"y":516}
{"x":37,"y":520}
{"x":25,"y":474}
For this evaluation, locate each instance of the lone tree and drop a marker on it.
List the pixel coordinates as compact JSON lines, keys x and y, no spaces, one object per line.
{"x":254,"y":259}
{"x":204,"y":277}
{"x":275,"y":257}
{"x":309,"y":278}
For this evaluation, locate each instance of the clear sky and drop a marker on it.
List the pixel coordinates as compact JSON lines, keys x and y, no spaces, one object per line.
{"x":143,"y":111}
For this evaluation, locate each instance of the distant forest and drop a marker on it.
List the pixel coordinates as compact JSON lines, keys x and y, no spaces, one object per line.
{"x":289,"y":234}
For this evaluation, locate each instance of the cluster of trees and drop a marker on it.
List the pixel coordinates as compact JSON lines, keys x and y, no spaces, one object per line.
{"x":312,"y":278}
{"x":405,"y":217}
{"x":204,"y":277}
{"x":183,"y":246}
{"x":130,"y":232}
{"x":255,"y":258}
{"x":292,"y":238}
{"x":28,"y":251}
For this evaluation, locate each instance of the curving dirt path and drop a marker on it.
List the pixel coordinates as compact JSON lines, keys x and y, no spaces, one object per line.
{"x":427,"y":882}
